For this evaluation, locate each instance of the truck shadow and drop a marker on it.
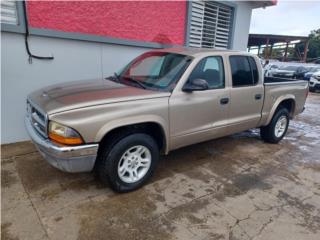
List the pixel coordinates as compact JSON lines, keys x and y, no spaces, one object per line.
{"x":219,"y":154}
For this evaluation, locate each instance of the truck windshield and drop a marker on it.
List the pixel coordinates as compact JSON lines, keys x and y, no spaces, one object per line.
{"x":155,"y":70}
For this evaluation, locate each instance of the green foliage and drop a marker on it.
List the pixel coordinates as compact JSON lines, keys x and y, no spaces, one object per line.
{"x":314,"y":45}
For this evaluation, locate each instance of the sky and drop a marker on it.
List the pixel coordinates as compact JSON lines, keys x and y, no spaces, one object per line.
{"x":295,"y":18}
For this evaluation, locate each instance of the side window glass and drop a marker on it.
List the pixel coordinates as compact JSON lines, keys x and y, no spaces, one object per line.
{"x":254,"y":69}
{"x":241,"y":72}
{"x":210,"y":69}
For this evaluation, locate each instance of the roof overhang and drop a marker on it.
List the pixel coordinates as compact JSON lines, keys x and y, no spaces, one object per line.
{"x":262,"y":39}
{"x":263,"y":4}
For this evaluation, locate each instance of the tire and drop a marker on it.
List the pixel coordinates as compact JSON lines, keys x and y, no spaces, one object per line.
{"x":124,"y":154}
{"x":269,"y":134}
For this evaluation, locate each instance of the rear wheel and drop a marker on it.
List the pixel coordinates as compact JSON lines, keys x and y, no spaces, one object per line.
{"x":277,"y":128}
{"x":129,"y":163}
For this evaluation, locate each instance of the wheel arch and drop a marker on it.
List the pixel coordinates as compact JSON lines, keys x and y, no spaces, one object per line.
{"x":287,"y":101}
{"x":153,"y":126}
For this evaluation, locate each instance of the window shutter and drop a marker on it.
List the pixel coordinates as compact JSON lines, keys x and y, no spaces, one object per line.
{"x":9,"y":12}
{"x":196,"y":28}
{"x":210,"y":25}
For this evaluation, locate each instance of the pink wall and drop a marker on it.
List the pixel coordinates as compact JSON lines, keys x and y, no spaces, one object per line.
{"x":157,"y":21}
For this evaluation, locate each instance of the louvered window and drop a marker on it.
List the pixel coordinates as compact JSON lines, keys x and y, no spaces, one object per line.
{"x":210,"y":25}
{"x":9,"y":12}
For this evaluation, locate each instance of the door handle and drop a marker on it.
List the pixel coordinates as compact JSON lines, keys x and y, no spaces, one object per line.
{"x":224,"y":100}
{"x":258,"y":96}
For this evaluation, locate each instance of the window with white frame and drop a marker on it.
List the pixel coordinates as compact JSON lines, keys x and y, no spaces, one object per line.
{"x":9,"y":13}
{"x":210,"y":24}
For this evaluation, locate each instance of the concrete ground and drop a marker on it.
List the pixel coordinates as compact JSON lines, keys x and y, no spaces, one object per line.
{"x":236,"y":187}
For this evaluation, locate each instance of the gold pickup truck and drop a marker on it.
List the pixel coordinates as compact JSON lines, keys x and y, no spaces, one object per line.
{"x":162,"y":100}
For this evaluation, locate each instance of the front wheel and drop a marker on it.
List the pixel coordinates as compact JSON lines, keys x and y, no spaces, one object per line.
{"x":277,"y":128}
{"x":129,"y":163}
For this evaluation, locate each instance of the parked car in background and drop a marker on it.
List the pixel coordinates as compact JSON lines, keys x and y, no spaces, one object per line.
{"x":163,"y":100}
{"x":290,"y":71}
{"x":301,"y":71}
{"x":311,"y":71}
{"x":314,"y":84}
{"x":316,"y":61}
{"x":270,"y":69}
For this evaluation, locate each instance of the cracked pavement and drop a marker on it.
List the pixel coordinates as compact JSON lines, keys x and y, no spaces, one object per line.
{"x":236,"y":187}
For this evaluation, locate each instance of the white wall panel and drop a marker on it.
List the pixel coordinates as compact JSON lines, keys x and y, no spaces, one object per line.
{"x":73,"y":60}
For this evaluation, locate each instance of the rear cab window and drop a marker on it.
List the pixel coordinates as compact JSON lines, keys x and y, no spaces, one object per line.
{"x":244,"y":71}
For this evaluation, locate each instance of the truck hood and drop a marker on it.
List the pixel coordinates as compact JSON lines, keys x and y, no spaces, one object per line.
{"x":79,"y":94}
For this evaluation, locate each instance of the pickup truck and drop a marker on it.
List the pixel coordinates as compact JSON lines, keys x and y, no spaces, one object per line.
{"x":162,"y":100}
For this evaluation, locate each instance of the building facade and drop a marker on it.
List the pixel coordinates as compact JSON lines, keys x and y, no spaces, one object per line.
{"x":89,"y":40}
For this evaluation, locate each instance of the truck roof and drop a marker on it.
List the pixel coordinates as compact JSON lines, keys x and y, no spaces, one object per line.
{"x":198,"y":51}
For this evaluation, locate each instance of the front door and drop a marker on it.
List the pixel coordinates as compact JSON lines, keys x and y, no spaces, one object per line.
{"x":200,"y":115}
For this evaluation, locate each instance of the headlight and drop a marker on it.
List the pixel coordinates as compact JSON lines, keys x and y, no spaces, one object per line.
{"x":63,"y":134}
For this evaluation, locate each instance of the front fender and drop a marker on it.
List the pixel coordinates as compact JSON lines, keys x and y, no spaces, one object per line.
{"x":135,"y":120}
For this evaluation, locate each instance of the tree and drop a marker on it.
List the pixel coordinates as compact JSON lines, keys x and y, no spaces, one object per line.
{"x":314,"y":45}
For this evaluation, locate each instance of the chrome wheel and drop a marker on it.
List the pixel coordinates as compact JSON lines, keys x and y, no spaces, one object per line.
{"x":281,"y":126}
{"x":134,"y":164}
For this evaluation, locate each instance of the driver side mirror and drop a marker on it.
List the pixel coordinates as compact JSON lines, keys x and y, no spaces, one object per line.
{"x":195,"y":85}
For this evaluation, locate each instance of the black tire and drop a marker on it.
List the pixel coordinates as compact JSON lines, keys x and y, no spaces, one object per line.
{"x":110,"y":155}
{"x":311,"y":90}
{"x":268,"y":132}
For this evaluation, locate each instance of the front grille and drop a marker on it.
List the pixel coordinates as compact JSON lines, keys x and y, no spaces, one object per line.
{"x":38,"y":118}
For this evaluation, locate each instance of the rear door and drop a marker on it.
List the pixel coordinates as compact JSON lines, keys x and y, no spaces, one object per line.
{"x":246,"y":93}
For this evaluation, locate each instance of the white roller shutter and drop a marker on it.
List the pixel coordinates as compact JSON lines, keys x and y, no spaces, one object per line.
{"x":210,"y":25}
{"x":9,"y":12}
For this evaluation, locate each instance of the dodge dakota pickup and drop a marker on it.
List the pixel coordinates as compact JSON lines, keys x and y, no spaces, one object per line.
{"x":162,"y":100}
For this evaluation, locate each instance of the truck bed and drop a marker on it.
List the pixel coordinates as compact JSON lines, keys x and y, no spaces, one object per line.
{"x":282,"y":88}
{"x":268,"y":80}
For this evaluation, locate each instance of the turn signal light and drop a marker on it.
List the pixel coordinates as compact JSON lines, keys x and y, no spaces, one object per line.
{"x":63,"y":134}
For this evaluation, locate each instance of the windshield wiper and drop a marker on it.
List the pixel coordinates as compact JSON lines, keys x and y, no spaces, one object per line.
{"x":136,"y":81}
{"x":115,"y":77}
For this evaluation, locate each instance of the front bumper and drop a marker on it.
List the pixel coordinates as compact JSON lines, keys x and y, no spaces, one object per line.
{"x":66,"y":158}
